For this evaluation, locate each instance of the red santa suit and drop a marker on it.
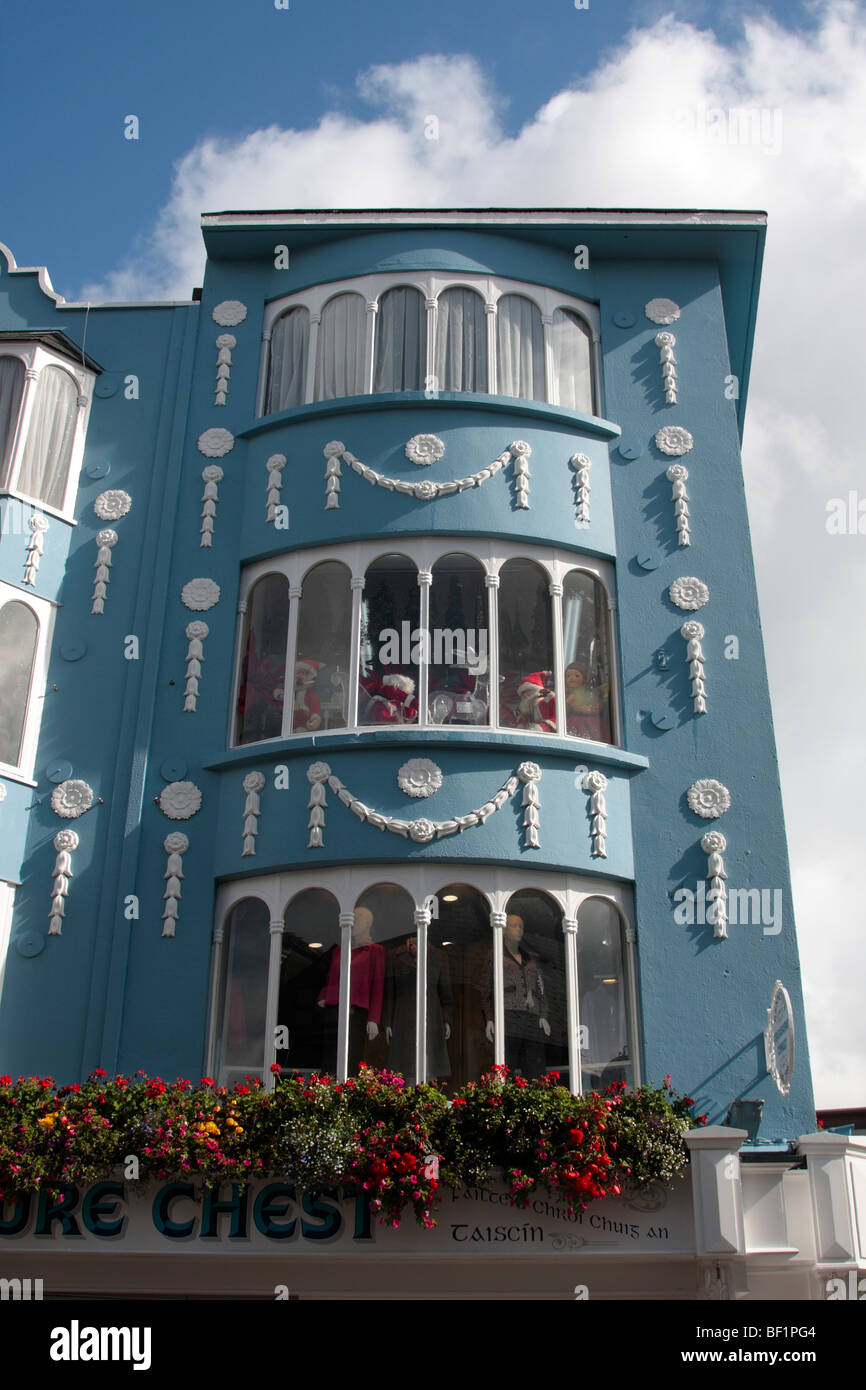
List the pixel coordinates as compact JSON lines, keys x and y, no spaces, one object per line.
{"x":537,"y":703}
{"x":393,"y":699}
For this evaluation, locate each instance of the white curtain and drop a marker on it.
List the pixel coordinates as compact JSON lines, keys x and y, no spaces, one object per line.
{"x":571,"y":361}
{"x":288,"y":367}
{"x":401,"y":341}
{"x":461,"y":342}
{"x":18,"y":631}
{"x":48,"y":447}
{"x":340,"y":354}
{"x":11,"y":386}
{"x":520,"y":339}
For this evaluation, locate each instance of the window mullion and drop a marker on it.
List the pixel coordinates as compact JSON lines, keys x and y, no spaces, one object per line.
{"x":492,"y":364}
{"x":551,"y":392}
{"x":558,"y":676}
{"x":347,"y":921}
{"x":264,"y":372}
{"x":355,"y":651}
{"x":491,"y":582}
{"x":273,"y":997}
{"x":295,"y":592}
{"x":422,"y":922}
{"x":369,"y":345}
{"x":216,"y":977}
{"x":569,"y":930}
{"x":497,"y":922}
{"x":312,"y":358}
{"x":425,"y":579}
{"x":613,"y":658}
{"x":429,"y":374}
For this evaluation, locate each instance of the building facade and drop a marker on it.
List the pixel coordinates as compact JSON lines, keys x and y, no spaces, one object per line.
{"x":382,"y":680}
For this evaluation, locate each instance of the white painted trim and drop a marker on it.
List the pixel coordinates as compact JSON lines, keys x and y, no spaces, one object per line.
{"x":44,"y":612}
{"x":36,"y":356}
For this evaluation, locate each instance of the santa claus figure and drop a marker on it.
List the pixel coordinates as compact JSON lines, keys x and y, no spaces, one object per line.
{"x":392,"y":699}
{"x":307,"y":714}
{"x":537,"y":703}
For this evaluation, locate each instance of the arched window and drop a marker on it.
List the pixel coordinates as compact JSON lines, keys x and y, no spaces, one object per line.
{"x":587,"y":657}
{"x":389,"y":654}
{"x":401,"y":340}
{"x":383,"y":929}
{"x":11,"y":387}
{"x":311,"y":938}
{"x":288,"y":361}
{"x":19,"y":630}
{"x":520,"y":346}
{"x":526,"y":683}
{"x":243,"y":992}
{"x":322,"y":656}
{"x":461,"y":341}
{"x":533,"y":983}
{"x":261,"y":693}
{"x":341,"y":346}
{"x":572,"y":374}
{"x":459,"y":672}
{"x":606,"y":1054}
{"x":459,"y":945}
{"x":44,"y":468}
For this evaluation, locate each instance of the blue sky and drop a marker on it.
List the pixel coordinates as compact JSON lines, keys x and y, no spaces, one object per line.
{"x":242,"y":105}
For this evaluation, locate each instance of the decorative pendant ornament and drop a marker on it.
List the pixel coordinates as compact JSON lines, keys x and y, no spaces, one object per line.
{"x":65,"y":841}
{"x":180,"y":800}
{"x":419,"y":777}
{"x":530,"y":776}
{"x":520,"y":452}
{"x":662,"y":311}
{"x":714,"y":845}
{"x":275,"y":465}
{"x":253,"y":783}
{"x":708,"y":798}
{"x":216,"y":442}
{"x":688,"y":592}
{"x":71,"y":799}
{"x":112,"y":505}
{"x":666,"y":343}
{"x":673,"y":439}
{"x":200,"y":595}
{"x":425,"y":491}
{"x":581,"y":465}
{"x":212,"y":475}
{"x":175,"y":845}
{"x":38,"y":525}
{"x":596,"y":784}
{"x":196,"y":632}
{"x":229,"y":313}
{"x":105,"y":542}
{"x":692,"y":632}
{"x":225,"y":342}
{"x":676,"y":474}
{"x":317,"y":775}
{"x":425,"y":449}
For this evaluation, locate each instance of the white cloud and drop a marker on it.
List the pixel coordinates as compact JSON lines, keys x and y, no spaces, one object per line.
{"x":625,"y":137}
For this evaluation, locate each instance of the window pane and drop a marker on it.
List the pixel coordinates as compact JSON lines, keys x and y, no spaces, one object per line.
{"x":11,"y":387}
{"x":461,"y":341}
{"x":243,"y":992}
{"x":460,"y":937}
{"x":288,"y":364}
{"x":263,"y":671}
{"x":605,"y":1051}
{"x":459,"y":679}
{"x":571,"y":360}
{"x":340,"y":353}
{"x":587,"y":661}
{"x":311,"y":935}
{"x":324,"y":639}
{"x":533,"y":980}
{"x":389,"y":667}
{"x":520,"y":345}
{"x":526,"y":698}
{"x":18,"y":632}
{"x":48,"y":448}
{"x":401,"y":341}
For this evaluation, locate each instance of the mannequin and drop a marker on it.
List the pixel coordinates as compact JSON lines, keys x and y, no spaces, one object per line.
{"x":400,"y":1010}
{"x":526,"y":1023}
{"x":366,"y":987}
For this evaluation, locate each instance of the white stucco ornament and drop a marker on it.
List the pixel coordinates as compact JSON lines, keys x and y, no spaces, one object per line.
{"x":229,"y":312}
{"x":200,"y":594}
{"x":662,"y":311}
{"x":176,"y":843}
{"x":112,"y":505}
{"x":425,"y":449}
{"x":65,"y":841}
{"x":419,"y":777}
{"x":674,"y":440}
{"x":422,"y":831}
{"x":688,"y":592}
{"x":708,"y":798}
{"x":180,"y":800}
{"x":71,"y":799}
{"x":216,"y":442}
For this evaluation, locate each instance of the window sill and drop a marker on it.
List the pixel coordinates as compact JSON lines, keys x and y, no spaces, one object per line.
{"x":344,"y":405}
{"x":36,"y":506}
{"x":14,"y":774}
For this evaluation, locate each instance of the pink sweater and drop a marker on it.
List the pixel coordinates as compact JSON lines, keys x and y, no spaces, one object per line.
{"x":367,"y":983}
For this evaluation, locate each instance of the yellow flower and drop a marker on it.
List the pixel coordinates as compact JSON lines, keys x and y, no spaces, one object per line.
{"x":211,"y":1128}
{"x":47,"y":1121}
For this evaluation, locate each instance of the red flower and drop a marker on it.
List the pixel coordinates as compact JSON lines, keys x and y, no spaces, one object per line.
{"x":206,"y":1081}
{"x":5,"y":1080}
{"x":242,"y":1090}
{"x":98,"y":1071}
{"x":276,"y":1068}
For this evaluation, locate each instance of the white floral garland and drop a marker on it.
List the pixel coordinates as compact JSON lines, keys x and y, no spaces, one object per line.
{"x":426,"y":490}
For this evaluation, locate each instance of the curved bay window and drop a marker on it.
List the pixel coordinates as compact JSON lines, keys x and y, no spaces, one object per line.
{"x":381,"y":334}
{"x":440,"y":982}
{"x":41,"y":404}
{"x":424,"y":640}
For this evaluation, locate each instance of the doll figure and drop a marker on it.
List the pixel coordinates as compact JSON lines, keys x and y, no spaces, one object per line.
{"x":392,"y":699}
{"x":307,"y":714}
{"x":537,"y":703}
{"x":586,"y":708}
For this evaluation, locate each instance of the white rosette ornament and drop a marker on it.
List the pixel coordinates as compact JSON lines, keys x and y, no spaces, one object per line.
{"x":65,"y":841}
{"x":215,"y":443}
{"x":714,"y":845}
{"x":425,"y":449}
{"x":692,"y":632}
{"x":175,"y":845}
{"x":689,"y":593}
{"x":708,"y":798}
{"x":253,"y":783}
{"x":419,"y":777}
{"x":596,"y":784}
{"x":180,"y":800}
{"x":112,"y":505}
{"x":71,"y":799}
{"x":674,"y":440}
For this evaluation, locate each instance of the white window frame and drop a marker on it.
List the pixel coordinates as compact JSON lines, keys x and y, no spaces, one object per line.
{"x":44,"y":612}
{"x":421,"y":882}
{"x":424,"y":552}
{"x":431,"y":285}
{"x":36,"y":356}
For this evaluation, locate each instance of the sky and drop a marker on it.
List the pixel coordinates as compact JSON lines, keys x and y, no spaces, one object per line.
{"x":323,"y":103}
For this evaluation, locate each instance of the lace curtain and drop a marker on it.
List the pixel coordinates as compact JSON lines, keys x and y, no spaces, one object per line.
{"x":287,"y":372}
{"x":48,"y":448}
